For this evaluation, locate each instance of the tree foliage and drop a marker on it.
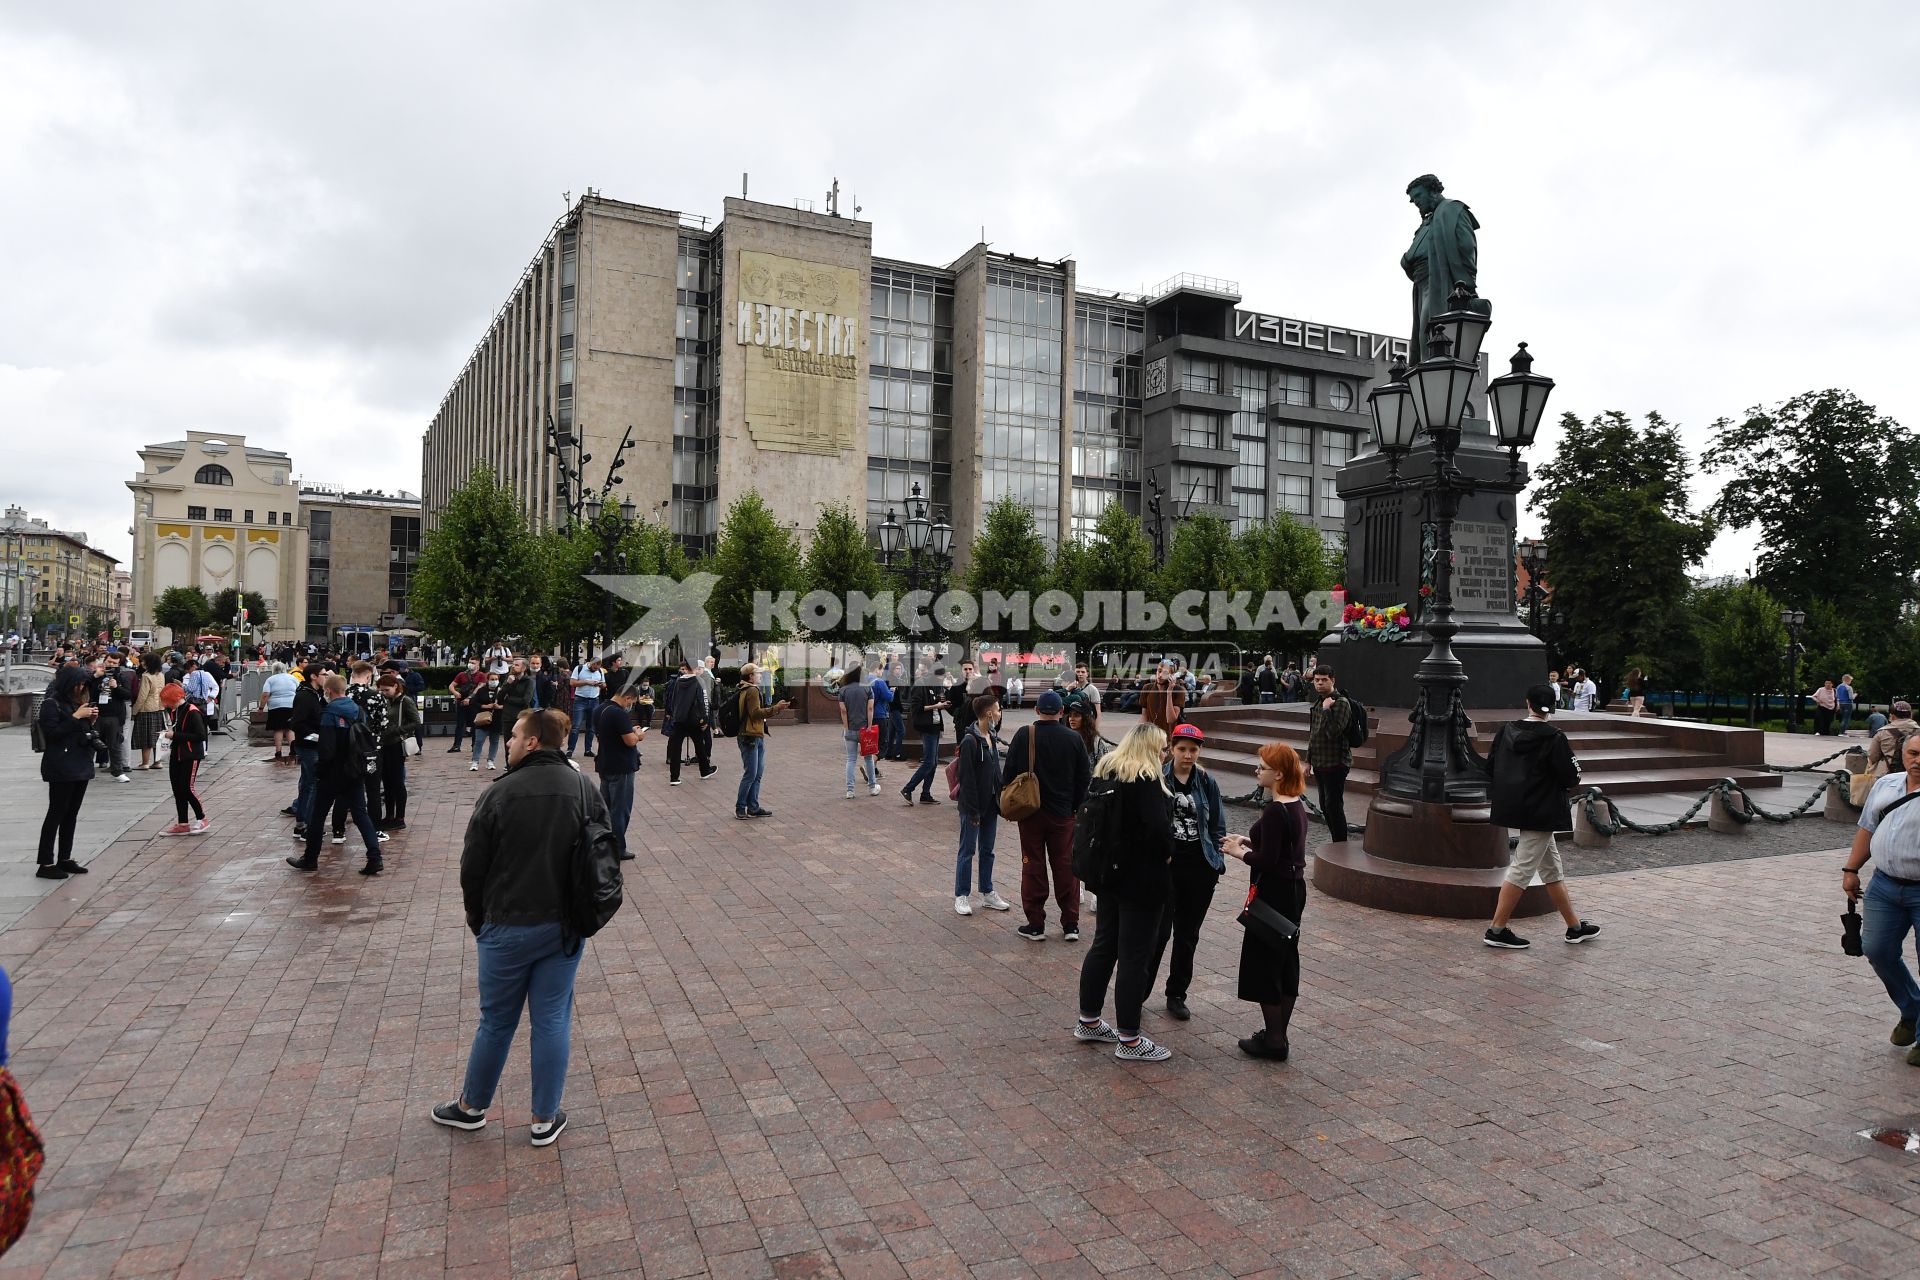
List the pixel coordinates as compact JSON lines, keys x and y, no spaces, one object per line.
{"x":754,"y":554}
{"x":1282,"y":554}
{"x":1827,"y":479}
{"x":840,"y":561}
{"x":574,"y":608}
{"x":226,"y":606}
{"x":1009,"y":556}
{"x":1620,"y":536}
{"x":479,"y":577}
{"x":1744,"y":641}
{"x":182,"y":610}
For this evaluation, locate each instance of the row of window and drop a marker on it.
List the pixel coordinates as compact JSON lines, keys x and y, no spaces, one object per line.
{"x":224,"y":515}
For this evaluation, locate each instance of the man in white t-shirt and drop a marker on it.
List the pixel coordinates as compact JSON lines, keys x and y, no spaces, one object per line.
{"x":499,"y":658}
{"x":1584,"y":692}
{"x":588,"y":682}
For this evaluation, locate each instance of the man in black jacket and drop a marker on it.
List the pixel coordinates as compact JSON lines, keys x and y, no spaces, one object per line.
{"x":1533,"y":768}
{"x":514,"y":878}
{"x":687,"y":714}
{"x":305,"y":724}
{"x":1058,"y":759}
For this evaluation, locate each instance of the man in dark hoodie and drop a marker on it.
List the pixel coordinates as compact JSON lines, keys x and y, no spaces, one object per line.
{"x":687,"y":712}
{"x":1533,"y":768}
{"x":340,"y":771}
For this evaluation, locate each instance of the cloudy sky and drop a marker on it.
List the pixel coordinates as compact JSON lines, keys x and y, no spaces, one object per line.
{"x":295,"y":221}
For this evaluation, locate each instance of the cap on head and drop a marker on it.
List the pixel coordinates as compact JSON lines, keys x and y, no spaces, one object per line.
{"x":1188,"y":733}
{"x":1902,"y":708}
{"x":1540,"y":698}
{"x":1050,"y":704}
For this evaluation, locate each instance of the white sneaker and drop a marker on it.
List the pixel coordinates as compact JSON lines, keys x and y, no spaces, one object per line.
{"x":849,"y":793}
{"x":963,"y":906}
{"x":994,"y":902}
{"x":474,"y":767}
{"x":489,"y":764}
{"x":123,"y":777}
{"x":874,"y":790}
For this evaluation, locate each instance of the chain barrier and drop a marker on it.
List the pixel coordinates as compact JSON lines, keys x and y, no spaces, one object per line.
{"x":1809,"y":768}
{"x":1617,"y":821}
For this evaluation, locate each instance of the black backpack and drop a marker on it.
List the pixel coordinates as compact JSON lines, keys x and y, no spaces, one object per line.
{"x":727,"y":715}
{"x":1096,"y":843}
{"x":1356,"y":721}
{"x":594,"y":887}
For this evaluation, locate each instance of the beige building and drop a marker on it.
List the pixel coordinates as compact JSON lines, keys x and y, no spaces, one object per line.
{"x":774,"y":351}
{"x":213,"y":512}
{"x":121,"y":595}
{"x":361,"y":549}
{"x":52,"y":575}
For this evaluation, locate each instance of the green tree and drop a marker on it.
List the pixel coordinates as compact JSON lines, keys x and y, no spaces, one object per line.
{"x":96,"y":622}
{"x":182,"y":610}
{"x":1282,"y":554}
{"x":840,"y":561}
{"x":754,"y":554}
{"x":1828,"y":480}
{"x":1009,"y":556}
{"x":1620,"y":538}
{"x":479,"y":577}
{"x":226,"y":603}
{"x":1746,"y":644}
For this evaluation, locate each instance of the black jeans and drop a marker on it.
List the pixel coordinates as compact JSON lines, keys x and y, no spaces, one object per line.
{"x":462,"y":725}
{"x":370,"y":797}
{"x":63,"y":811}
{"x":393,"y":782}
{"x":182,"y":772}
{"x":1193,"y":886}
{"x":1333,"y":798}
{"x":702,"y":746}
{"x":327,"y":789}
{"x":1123,"y":938}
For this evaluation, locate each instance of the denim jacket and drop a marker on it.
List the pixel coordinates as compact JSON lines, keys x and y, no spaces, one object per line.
{"x":1211,"y":810}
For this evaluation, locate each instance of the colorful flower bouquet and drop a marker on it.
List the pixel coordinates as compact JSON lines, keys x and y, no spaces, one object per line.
{"x":1364,"y":622}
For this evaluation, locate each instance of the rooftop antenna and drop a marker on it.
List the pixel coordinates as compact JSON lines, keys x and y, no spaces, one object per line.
{"x":566,"y":198}
{"x":743,"y":184}
{"x":833,"y":199}
{"x":856,"y":204}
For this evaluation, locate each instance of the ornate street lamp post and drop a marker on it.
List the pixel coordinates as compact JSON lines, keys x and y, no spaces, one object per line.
{"x":1438,"y":764}
{"x":929,"y":548}
{"x":1793,"y":620}
{"x":1533,"y":557}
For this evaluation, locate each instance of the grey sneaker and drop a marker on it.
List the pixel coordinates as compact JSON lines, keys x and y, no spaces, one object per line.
{"x":1101,"y":1032}
{"x":544,"y":1134}
{"x":1142,"y":1050}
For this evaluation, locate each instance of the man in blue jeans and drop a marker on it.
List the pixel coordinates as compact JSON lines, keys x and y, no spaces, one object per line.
{"x":619,"y":757}
{"x":1890,"y":835}
{"x":514,"y":877}
{"x":928,"y":703}
{"x":588,"y":682}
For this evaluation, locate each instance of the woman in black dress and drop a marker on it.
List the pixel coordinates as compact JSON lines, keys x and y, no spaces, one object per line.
{"x":1275,"y":851}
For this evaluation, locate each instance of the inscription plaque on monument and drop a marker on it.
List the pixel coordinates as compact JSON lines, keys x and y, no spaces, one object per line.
{"x":1482,"y":567}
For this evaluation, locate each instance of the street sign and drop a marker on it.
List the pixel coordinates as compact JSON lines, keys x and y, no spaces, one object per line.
{"x":73,"y":619}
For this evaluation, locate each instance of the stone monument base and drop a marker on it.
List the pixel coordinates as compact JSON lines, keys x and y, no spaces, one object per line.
{"x":1424,"y":859}
{"x":1502,"y":662}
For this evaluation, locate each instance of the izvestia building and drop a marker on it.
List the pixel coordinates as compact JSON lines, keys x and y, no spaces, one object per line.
{"x":776,"y":352}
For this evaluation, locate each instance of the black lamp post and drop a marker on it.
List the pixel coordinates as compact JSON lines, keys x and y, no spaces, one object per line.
{"x":1438,"y":764}
{"x":929,"y":549}
{"x":1534,"y":557}
{"x":1793,"y":620}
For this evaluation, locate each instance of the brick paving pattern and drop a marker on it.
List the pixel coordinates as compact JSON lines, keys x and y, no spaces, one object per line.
{"x":791,"y":1059}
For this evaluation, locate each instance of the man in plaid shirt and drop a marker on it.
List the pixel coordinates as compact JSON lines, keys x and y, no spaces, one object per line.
{"x":1328,"y":751}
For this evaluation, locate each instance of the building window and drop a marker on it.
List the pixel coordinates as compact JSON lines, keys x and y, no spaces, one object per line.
{"x":196,"y":513}
{"x":1250,"y":442}
{"x":1195,"y":485}
{"x":403,"y":551}
{"x":223,"y":513}
{"x":1021,"y":393}
{"x":1293,"y":444}
{"x":249,"y":514}
{"x":1292,"y":389}
{"x":1201,"y":430}
{"x":1336,"y":448}
{"x":1108,"y":338}
{"x":286,"y":517}
{"x":1332,"y":507}
{"x":213,"y":473}
{"x":1200,"y":373}
{"x":1294,"y":493}
{"x":909,"y":392}
{"x":273,"y":517}
{"x":696,"y":443}
{"x":1339,"y":395}
{"x":319,"y":572}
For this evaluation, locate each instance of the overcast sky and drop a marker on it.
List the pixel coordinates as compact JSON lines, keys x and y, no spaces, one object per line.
{"x":295,"y":221}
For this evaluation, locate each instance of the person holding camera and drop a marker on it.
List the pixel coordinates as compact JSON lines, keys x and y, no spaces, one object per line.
{"x":114,"y":695}
{"x":68,"y":741}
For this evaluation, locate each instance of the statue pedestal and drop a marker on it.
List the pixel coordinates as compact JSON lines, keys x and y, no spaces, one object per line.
{"x":1502,"y":661}
{"x":1424,"y":859}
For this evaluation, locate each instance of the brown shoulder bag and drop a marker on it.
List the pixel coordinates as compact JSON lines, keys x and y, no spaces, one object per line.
{"x":1020,"y":798}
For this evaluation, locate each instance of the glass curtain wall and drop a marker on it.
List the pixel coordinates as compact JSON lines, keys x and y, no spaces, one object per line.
{"x":696,"y":429}
{"x":1021,"y":394}
{"x":1249,"y":428}
{"x":909,"y":393}
{"x":1108,"y":338}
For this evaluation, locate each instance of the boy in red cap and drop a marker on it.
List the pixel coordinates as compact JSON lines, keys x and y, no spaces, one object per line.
{"x":186,"y":734}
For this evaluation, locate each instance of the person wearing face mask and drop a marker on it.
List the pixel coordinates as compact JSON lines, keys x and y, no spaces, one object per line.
{"x":979,"y":802}
{"x":465,"y":684}
{"x":516,"y":691}
{"x":488,"y":722}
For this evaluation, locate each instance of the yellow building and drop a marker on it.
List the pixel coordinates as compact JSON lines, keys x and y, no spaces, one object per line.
{"x":51,"y":574}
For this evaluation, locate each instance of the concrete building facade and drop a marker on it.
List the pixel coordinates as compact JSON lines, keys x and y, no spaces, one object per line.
{"x":361,"y":549}
{"x":775,"y":352}
{"x":51,"y":573}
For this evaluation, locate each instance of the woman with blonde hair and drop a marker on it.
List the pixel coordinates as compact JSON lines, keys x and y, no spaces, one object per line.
{"x":1275,"y":852}
{"x":1140,"y":820}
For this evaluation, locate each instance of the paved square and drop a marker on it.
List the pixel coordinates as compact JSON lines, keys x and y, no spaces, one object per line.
{"x":792,"y":1059}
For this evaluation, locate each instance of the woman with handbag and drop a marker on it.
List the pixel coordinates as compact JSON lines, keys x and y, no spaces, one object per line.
{"x":977,"y":792}
{"x":397,"y":742}
{"x":1131,"y":898}
{"x":488,"y":721}
{"x":148,"y":720}
{"x":1275,"y":852}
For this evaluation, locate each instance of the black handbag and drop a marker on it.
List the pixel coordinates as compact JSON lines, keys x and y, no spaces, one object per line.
{"x":1265,"y":924}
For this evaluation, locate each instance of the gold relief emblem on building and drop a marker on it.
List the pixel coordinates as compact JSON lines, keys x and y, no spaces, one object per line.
{"x":803,"y":363}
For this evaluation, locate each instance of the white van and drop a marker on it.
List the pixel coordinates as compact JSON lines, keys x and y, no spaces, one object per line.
{"x":139,"y":638}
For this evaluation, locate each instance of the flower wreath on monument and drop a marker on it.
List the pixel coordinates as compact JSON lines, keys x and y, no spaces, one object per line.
{"x":1364,"y":622}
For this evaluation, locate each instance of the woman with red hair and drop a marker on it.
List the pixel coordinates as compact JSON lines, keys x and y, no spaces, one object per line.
{"x":1275,"y":852}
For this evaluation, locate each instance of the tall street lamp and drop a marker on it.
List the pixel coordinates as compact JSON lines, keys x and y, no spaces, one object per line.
{"x":929,"y":554}
{"x":1533,"y":557}
{"x":609,"y":559}
{"x":1438,"y":764}
{"x":1793,"y":620}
